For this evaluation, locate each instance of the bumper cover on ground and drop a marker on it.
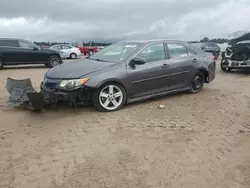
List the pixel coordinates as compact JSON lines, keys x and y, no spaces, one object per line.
{"x":23,"y":95}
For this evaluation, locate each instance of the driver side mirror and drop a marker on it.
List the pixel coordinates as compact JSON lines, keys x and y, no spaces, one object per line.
{"x":35,"y":49}
{"x":137,"y":61}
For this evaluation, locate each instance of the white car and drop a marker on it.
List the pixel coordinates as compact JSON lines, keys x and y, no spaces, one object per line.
{"x":67,"y":51}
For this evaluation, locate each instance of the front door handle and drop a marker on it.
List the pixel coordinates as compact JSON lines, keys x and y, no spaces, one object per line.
{"x":165,"y":66}
{"x":195,"y":60}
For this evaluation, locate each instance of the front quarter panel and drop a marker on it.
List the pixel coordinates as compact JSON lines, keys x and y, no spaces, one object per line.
{"x":116,"y":73}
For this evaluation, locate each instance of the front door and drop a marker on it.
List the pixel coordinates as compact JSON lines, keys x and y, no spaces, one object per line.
{"x":151,"y":77}
{"x":182,"y":65}
{"x":29,"y":54}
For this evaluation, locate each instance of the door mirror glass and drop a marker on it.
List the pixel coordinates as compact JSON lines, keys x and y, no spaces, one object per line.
{"x":137,"y":61}
{"x":35,"y":49}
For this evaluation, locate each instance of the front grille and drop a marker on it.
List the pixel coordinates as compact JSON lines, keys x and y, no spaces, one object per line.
{"x":234,"y":64}
{"x":50,"y":85}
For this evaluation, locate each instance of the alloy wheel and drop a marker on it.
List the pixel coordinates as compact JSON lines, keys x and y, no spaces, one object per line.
{"x":73,"y":56}
{"x":111,"y":97}
{"x":197,"y":82}
{"x":54,"y":61}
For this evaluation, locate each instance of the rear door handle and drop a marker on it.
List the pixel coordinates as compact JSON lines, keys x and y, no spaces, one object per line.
{"x":165,"y":66}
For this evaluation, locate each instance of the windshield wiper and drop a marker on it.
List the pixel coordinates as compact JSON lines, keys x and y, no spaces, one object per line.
{"x":97,"y":59}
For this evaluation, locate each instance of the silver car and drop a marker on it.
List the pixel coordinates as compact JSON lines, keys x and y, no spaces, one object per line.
{"x":130,"y":71}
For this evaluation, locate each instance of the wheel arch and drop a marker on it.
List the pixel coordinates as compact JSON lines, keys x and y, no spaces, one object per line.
{"x":205,"y":73}
{"x":117,"y":81}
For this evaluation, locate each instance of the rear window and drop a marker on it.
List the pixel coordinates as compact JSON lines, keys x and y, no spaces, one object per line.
{"x":9,"y":43}
{"x":212,"y":45}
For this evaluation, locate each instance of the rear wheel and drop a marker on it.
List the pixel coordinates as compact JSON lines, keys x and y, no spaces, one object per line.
{"x":109,"y":97}
{"x":197,"y":83}
{"x":73,"y":56}
{"x":53,"y":61}
{"x":91,"y":52}
{"x":216,"y":55}
{"x":1,"y":63}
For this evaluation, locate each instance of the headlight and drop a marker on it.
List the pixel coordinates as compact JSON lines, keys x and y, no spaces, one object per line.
{"x":72,"y":84}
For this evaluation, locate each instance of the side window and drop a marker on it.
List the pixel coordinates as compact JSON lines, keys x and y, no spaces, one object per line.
{"x":154,"y":52}
{"x":56,"y":47}
{"x":65,"y":47}
{"x":9,"y":43}
{"x":176,"y":50}
{"x":190,"y":52}
{"x":26,"y":44}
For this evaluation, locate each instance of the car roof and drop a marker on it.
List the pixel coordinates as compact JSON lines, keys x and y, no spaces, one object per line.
{"x":243,"y":42}
{"x":152,"y":41}
{"x":13,"y":39}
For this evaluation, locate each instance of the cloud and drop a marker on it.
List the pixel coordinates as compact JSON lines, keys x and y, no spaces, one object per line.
{"x":72,"y":20}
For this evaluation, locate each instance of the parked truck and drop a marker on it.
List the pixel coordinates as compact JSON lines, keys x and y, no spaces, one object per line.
{"x":86,"y":50}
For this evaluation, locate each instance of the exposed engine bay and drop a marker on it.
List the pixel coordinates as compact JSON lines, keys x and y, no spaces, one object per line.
{"x":236,"y":57}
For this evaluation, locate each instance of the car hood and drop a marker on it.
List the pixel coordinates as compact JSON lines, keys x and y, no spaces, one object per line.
{"x":77,"y":69}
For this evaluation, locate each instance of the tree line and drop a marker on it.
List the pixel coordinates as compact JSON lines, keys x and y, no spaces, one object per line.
{"x":90,"y":43}
{"x":95,"y":43}
{"x":215,"y":40}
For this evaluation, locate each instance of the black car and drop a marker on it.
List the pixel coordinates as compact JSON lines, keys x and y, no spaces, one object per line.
{"x":236,"y":57}
{"x":210,"y":47}
{"x":20,"y":51}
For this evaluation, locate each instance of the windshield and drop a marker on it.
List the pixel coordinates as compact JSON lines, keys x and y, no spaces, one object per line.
{"x":117,"y":53}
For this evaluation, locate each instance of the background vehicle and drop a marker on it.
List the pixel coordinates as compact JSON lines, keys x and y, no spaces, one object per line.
{"x":20,"y":51}
{"x":236,"y":57}
{"x":210,"y":47}
{"x":67,"y":51}
{"x":86,"y":50}
{"x":131,"y":71}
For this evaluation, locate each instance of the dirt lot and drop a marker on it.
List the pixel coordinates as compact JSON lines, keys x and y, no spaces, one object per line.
{"x":200,"y":140}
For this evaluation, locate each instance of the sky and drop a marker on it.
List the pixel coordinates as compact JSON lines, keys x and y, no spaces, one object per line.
{"x":74,"y":20}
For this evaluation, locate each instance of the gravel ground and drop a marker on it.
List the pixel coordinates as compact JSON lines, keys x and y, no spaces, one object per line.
{"x":199,"y":140}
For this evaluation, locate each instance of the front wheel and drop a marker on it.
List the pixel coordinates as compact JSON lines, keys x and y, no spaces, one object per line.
{"x":197,"y":83}
{"x":223,"y":67}
{"x":53,"y":61}
{"x":109,"y":97}
{"x":1,"y":63}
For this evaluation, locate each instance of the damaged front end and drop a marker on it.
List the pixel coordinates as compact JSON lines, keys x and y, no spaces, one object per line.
{"x":23,"y":95}
{"x":236,"y":57}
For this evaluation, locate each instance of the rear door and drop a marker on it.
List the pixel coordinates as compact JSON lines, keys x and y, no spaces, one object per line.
{"x":150,"y":78}
{"x":183,"y":63}
{"x":10,"y":51}
{"x":66,"y":51}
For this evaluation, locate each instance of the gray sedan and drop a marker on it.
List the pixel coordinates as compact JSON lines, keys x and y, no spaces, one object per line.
{"x":130,"y":71}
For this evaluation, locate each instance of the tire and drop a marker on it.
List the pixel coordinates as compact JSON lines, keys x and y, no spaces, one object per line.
{"x":103,"y":98}
{"x":91,"y":52}
{"x":223,"y":68}
{"x":1,"y":63}
{"x":73,"y":56}
{"x":53,"y":61}
{"x":216,"y":55}
{"x":197,"y":83}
